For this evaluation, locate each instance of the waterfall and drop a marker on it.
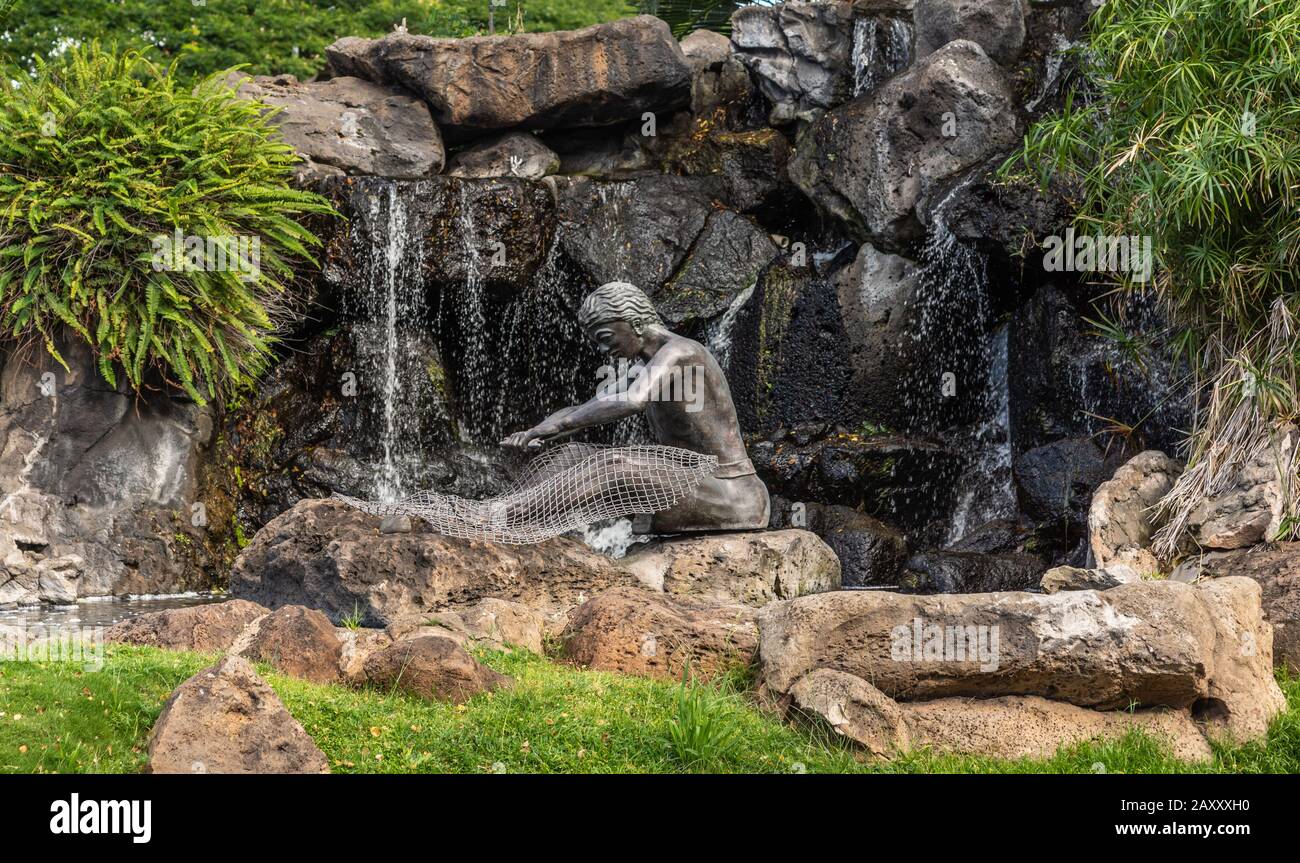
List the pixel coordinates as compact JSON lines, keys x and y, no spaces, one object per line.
{"x":960,"y":390}
{"x":882,"y":47}
{"x":986,"y":490}
{"x":718,"y":338}
{"x":390,"y":311}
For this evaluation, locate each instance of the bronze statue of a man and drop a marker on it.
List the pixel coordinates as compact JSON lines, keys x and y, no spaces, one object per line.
{"x":683,"y":393}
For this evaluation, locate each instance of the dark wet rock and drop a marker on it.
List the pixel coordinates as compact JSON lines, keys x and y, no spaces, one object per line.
{"x":751,"y":164}
{"x":877,"y":294}
{"x":1056,"y":482}
{"x":800,"y":54}
{"x":968,"y":572}
{"x":351,"y":125}
{"x":871,"y":160}
{"x":904,"y":481}
{"x":514,"y":154}
{"x":871,"y":552}
{"x":997,"y":26}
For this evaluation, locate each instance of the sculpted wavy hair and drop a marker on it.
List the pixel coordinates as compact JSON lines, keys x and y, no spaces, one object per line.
{"x":618,"y":301}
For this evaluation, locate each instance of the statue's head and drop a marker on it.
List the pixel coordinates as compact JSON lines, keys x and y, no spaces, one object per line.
{"x":615,"y":316}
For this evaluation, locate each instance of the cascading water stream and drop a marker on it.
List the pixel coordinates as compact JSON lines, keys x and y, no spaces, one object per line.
{"x":882,"y":47}
{"x":389,"y":311}
{"x":961,"y":391}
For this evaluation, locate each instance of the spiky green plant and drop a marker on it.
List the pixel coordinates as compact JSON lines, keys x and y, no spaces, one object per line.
{"x":1188,"y":131}
{"x":105,"y":158}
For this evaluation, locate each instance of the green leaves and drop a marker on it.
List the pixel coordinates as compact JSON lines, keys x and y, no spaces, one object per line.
{"x":151,"y":219}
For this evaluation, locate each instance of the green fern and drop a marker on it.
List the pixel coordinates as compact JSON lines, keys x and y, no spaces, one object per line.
{"x":101,"y":154}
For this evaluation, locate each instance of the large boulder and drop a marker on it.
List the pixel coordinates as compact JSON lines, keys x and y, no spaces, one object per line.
{"x":1120,"y":523}
{"x":599,"y":75}
{"x":226,"y":719}
{"x":514,"y":154}
{"x":1056,"y":481}
{"x":1149,"y":643}
{"x":98,"y":486}
{"x":497,"y":624}
{"x":1009,"y":727}
{"x":213,"y":626}
{"x":1277,"y":569}
{"x":877,"y":295}
{"x":747,"y":568}
{"x":705,"y":48}
{"x":633,"y":631}
{"x":434,"y":668}
{"x":327,"y":555}
{"x":800,"y":53}
{"x":351,"y":125}
{"x":1251,"y":509}
{"x":297,"y":641}
{"x":997,"y":26}
{"x":871,"y":552}
{"x":872,"y":159}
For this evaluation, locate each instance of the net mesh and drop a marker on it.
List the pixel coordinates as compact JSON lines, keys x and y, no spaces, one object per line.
{"x":563,"y":489}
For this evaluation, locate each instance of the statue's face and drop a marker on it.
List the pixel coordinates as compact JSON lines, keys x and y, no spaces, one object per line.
{"x":616,"y":339}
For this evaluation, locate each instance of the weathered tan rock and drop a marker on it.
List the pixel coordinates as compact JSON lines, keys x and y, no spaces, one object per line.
{"x":225,"y":719}
{"x":1153,"y":643}
{"x":356,"y":646}
{"x":1119,"y":520}
{"x":748,"y":568}
{"x":299,"y":642}
{"x":489,"y":622}
{"x":432,"y":667}
{"x":634,"y":631}
{"x":214,"y":626}
{"x":1242,"y":697}
{"x":1074,"y":578}
{"x":599,"y":75}
{"x":704,"y":48}
{"x":855,"y":709}
{"x":1252,"y":508}
{"x":352,"y":125}
{"x":1007,"y":727}
{"x":1014,"y":727}
{"x":1277,"y":570}
{"x":327,"y":555}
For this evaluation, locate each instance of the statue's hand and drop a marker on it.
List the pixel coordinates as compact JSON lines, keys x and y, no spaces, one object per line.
{"x":533,"y":438}
{"x":522,"y":440}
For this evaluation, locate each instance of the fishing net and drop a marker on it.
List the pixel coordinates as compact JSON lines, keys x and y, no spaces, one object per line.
{"x":563,"y":489}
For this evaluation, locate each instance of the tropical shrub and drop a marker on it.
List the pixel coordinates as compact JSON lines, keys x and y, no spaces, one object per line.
{"x":152,"y":220}
{"x":1186,"y":129}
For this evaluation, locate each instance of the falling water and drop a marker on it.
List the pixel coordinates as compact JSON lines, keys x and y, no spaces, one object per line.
{"x":718,"y":339}
{"x":879,"y":52}
{"x":390,"y":310}
{"x":961,"y":390}
{"x":986,"y":491}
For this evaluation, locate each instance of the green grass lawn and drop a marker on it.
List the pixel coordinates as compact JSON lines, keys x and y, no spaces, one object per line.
{"x":55,"y":717}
